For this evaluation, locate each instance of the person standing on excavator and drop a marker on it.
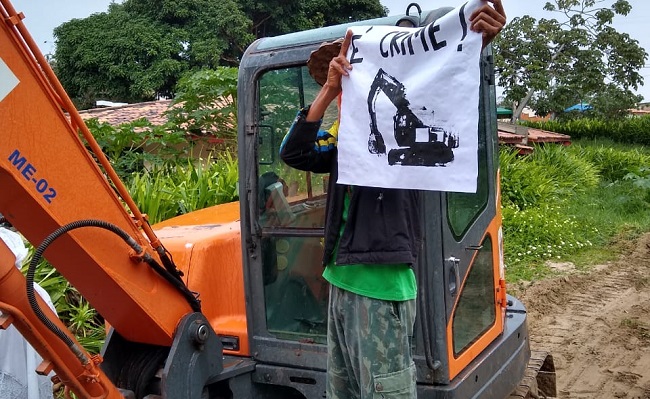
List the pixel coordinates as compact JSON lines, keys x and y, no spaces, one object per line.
{"x":372,"y":239}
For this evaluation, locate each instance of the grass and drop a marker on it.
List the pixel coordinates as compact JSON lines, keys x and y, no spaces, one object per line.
{"x":590,"y":223}
{"x":184,"y":187}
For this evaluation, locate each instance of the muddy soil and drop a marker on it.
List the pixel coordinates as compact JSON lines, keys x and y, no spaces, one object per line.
{"x":597,"y":326}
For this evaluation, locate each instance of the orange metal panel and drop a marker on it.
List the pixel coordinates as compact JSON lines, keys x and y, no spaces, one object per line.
{"x":206,"y":245}
{"x":223,"y":213}
{"x":48,"y":180}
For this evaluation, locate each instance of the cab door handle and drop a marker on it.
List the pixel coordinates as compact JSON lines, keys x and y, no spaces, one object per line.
{"x":453,"y":265}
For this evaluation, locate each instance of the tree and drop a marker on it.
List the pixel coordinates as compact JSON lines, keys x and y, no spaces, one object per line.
{"x":212,"y":33}
{"x":275,"y":17}
{"x":206,"y":105}
{"x":138,"y":50}
{"x":343,"y":11}
{"x":115,"y":56}
{"x":550,"y":65}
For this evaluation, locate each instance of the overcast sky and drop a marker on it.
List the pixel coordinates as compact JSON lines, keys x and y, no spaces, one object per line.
{"x":42,"y":16}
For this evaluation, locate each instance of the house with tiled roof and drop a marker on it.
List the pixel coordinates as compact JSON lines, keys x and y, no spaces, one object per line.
{"x":643,"y":109}
{"x":153,"y":111}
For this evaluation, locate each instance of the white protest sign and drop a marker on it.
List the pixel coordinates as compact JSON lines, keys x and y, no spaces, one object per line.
{"x":409,"y":111}
{"x":8,"y":81}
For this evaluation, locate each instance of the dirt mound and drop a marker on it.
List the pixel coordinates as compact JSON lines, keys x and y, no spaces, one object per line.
{"x":597,"y":326}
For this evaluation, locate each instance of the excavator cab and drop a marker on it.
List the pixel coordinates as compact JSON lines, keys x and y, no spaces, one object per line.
{"x":471,"y":339}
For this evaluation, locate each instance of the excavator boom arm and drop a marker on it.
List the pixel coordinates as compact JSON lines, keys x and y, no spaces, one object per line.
{"x":50,"y":180}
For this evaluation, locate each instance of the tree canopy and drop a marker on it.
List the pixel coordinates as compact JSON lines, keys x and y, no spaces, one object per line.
{"x":138,"y":50}
{"x":551,"y":64}
{"x":274,"y":17}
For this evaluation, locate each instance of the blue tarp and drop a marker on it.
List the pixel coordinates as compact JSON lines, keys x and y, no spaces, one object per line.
{"x":580,"y":107}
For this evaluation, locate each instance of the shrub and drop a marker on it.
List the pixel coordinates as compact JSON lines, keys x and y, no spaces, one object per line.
{"x":206,"y":104}
{"x":184,"y":187}
{"x":630,"y":130}
{"x":613,"y":163}
{"x":641,"y":179}
{"x":568,"y":170}
{"x":523,"y":183}
{"x":124,"y":145}
{"x":549,"y":174}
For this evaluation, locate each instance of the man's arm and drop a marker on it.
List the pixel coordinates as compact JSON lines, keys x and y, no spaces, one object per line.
{"x":305,"y":147}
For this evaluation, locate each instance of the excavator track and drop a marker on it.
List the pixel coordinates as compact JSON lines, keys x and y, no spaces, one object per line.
{"x":539,"y":380}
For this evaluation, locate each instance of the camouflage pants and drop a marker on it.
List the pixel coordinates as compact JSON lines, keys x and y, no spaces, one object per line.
{"x":369,"y":345}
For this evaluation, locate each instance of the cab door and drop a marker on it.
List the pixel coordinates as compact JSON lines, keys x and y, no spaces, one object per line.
{"x":471,"y":274}
{"x":283,"y":216}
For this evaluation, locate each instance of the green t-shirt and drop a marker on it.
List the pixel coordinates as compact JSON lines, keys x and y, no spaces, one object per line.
{"x":388,"y":282}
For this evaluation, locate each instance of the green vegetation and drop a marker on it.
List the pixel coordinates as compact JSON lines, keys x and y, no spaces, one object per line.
{"x":572,"y":204}
{"x":628,"y":130}
{"x":184,"y":187}
{"x":551,"y":64}
{"x":138,"y":145}
{"x":139,"y":49}
{"x":206,"y":105}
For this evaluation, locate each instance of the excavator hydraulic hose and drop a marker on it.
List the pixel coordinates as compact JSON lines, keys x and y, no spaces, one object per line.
{"x":172,"y":278}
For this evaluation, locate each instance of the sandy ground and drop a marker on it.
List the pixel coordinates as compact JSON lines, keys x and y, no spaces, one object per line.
{"x":597,"y":326}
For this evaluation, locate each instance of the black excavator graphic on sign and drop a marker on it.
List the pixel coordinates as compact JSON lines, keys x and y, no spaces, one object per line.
{"x":419,"y":144}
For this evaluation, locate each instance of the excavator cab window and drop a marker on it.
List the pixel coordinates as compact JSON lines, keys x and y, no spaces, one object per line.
{"x":475,"y":312}
{"x":464,"y":208}
{"x":291,"y":212}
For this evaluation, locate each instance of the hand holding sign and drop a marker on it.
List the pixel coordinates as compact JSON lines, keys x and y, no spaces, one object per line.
{"x":488,"y":20}
{"x":327,"y":69}
{"x":339,"y":65}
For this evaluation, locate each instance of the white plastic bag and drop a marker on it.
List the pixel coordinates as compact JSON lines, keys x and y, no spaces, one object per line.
{"x":18,"y":360}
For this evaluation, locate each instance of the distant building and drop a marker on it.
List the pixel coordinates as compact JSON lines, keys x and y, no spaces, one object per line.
{"x":642,"y":109}
{"x":529,"y":115}
{"x":153,"y":111}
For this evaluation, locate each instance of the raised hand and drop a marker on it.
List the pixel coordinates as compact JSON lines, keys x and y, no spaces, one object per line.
{"x":339,"y":65}
{"x":488,"y":20}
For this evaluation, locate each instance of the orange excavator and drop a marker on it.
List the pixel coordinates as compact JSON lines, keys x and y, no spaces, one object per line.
{"x":228,"y":301}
